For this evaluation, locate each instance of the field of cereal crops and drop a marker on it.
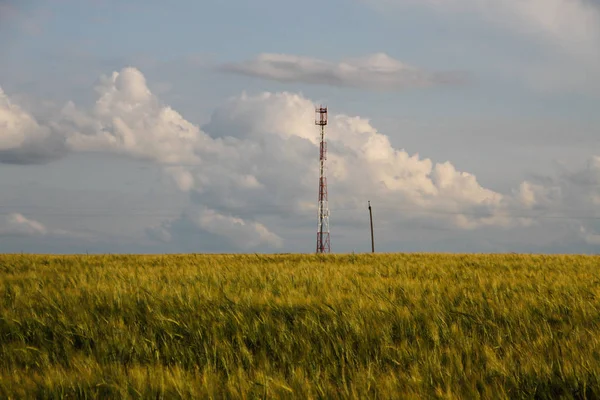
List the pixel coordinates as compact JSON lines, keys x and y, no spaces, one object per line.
{"x":300,"y":326}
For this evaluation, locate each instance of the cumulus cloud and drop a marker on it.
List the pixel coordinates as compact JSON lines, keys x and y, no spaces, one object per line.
{"x":23,"y":140}
{"x":376,"y":72}
{"x":579,"y":189}
{"x":245,"y":235}
{"x":128,"y":119}
{"x":251,"y":170}
{"x":568,"y":197}
{"x":252,"y":160}
{"x":276,"y":140}
{"x":242,"y":234}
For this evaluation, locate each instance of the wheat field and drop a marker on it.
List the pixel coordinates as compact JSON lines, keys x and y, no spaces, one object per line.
{"x":300,"y":326}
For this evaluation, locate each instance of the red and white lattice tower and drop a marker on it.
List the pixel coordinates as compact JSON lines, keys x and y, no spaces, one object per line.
{"x":323,"y":243}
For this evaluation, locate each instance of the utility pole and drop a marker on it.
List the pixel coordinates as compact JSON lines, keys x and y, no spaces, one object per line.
{"x":372,"y":238}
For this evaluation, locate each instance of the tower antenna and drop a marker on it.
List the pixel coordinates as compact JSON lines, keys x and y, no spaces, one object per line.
{"x":323,"y":243}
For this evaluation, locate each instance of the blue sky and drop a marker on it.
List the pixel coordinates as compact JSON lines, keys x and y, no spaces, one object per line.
{"x":189,"y":125}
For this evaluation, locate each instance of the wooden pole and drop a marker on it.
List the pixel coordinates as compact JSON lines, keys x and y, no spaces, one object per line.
{"x":372,"y":238}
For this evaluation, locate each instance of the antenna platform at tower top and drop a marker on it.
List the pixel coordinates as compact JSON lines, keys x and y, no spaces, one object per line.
{"x":321,"y":116}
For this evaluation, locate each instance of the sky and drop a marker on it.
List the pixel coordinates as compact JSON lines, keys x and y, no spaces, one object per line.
{"x":185,"y":126}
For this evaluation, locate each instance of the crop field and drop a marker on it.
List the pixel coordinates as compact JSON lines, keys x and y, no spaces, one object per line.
{"x":300,"y":326}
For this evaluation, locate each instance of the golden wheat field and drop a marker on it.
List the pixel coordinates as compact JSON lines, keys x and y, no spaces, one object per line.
{"x":300,"y":326}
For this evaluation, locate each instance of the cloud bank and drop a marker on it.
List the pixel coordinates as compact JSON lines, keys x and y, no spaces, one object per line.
{"x":374,"y":72}
{"x":251,"y":170}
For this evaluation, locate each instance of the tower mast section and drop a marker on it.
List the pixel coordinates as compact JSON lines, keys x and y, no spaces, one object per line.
{"x":323,"y":242}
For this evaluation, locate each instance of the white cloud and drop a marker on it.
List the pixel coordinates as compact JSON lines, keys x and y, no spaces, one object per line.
{"x":578,"y":189}
{"x":244,"y":234}
{"x":253,"y":159}
{"x":568,"y":197}
{"x":592,"y":238}
{"x":22,"y":139}
{"x":531,"y":195}
{"x":17,"y":126}
{"x":183,"y":178}
{"x":251,"y":171}
{"x":129,"y":119}
{"x":377,"y":72}
{"x":16,"y":225}
{"x":276,"y":141}
{"x":161,"y":233}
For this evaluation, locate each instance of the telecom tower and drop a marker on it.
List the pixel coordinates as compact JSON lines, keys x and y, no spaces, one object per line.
{"x":323,"y":244}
